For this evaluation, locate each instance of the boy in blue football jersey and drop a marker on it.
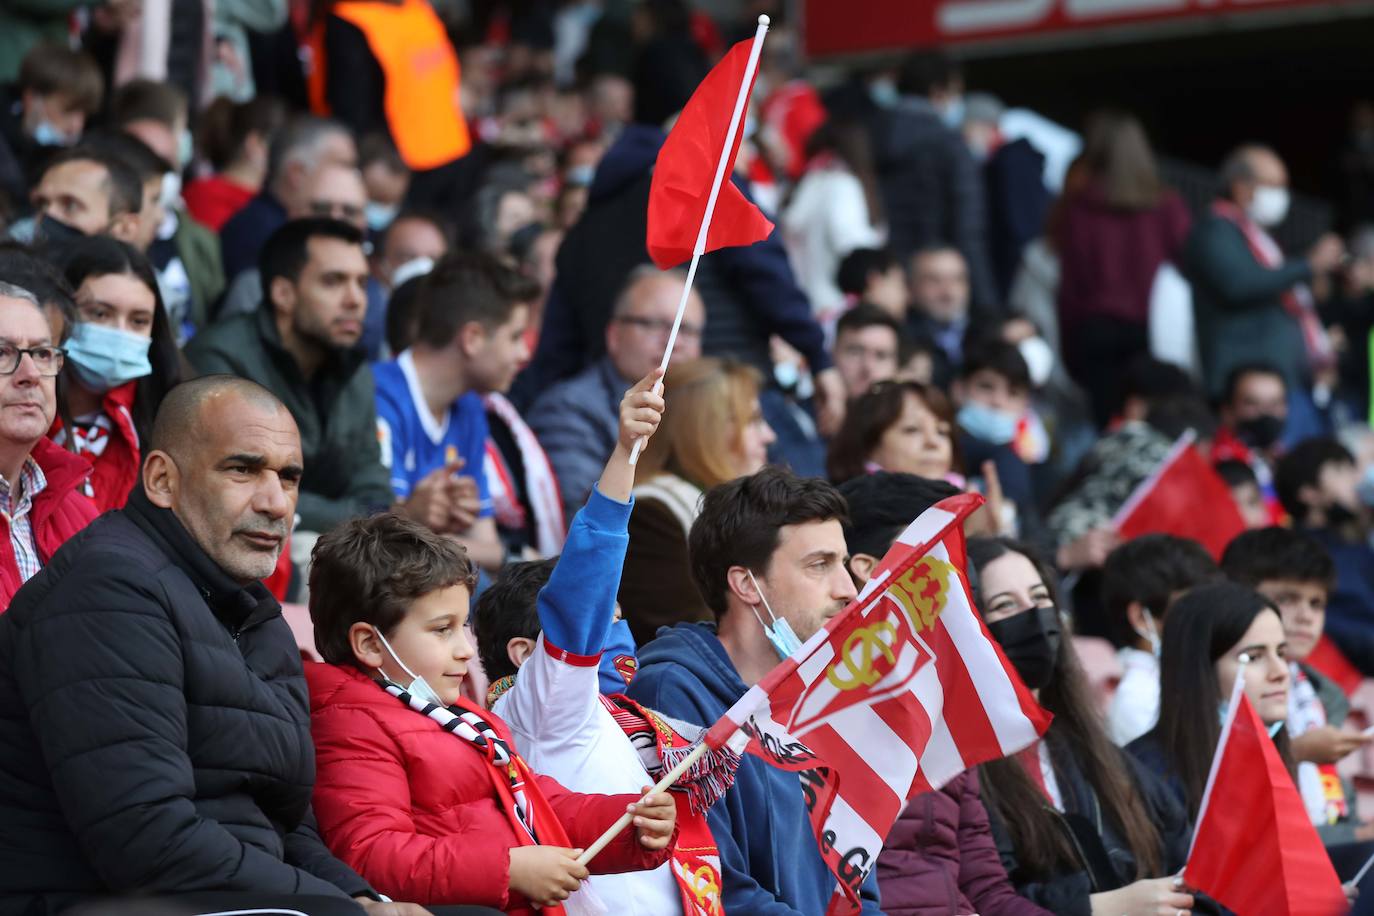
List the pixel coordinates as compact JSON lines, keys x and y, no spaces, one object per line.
{"x":471,"y":317}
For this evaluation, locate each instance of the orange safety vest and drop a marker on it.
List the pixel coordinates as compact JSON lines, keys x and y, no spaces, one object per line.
{"x":422,"y":78}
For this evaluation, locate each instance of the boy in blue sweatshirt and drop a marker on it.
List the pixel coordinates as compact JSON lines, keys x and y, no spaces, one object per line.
{"x":768,"y":555}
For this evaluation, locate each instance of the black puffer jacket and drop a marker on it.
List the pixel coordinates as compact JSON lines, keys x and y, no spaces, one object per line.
{"x":154,"y":728}
{"x":1110,"y":863}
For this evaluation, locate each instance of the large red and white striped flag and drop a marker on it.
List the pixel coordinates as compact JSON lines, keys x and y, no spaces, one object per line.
{"x":896,"y":695}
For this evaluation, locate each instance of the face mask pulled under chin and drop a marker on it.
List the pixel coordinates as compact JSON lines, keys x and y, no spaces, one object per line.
{"x":1030,"y":640}
{"x":779,"y":634}
{"x":418,"y":686}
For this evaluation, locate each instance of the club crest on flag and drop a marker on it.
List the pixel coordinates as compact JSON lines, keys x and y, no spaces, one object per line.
{"x":895,"y":695}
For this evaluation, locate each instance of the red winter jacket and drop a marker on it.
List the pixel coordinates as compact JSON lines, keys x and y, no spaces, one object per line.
{"x":116,"y":470}
{"x":940,"y":859}
{"x":59,"y":511}
{"x":410,"y":806}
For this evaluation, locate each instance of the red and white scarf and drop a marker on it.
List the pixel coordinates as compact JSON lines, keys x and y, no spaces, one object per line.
{"x":1297,"y":299}
{"x":662,"y":743}
{"x":541,"y":485}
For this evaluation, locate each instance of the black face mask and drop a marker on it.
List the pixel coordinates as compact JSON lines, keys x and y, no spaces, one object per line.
{"x":1262,"y":431}
{"x":1030,"y":640}
{"x":1338,"y":515}
{"x":53,"y":230}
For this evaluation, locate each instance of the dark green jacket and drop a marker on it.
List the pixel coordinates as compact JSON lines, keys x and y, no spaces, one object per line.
{"x":198,"y":249}
{"x":1237,"y":306}
{"x":336,"y":412}
{"x":24,"y":23}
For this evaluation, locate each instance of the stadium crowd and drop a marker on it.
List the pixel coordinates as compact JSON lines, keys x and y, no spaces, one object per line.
{"x":346,"y":305}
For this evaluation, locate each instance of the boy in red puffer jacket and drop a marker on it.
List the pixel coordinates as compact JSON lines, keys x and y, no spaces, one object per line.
{"x":419,"y":790}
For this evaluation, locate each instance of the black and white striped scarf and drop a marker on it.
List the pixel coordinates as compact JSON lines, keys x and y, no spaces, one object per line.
{"x":477,"y":731}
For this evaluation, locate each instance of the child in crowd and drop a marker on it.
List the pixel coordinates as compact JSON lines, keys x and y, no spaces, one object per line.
{"x":417,"y":788}
{"x":1245,"y":491}
{"x":543,"y":629}
{"x":1318,"y":485}
{"x":1140,"y":579}
{"x":1296,"y":573}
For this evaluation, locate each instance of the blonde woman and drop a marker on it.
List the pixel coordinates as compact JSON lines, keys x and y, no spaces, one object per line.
{"x":713,"y":431}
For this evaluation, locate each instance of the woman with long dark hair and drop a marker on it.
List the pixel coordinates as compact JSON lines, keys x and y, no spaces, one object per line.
{"x":1116,"y":225}
{"x":1207,"y":632}
{"x":122,"y":359}
{"x":1083,"y":830}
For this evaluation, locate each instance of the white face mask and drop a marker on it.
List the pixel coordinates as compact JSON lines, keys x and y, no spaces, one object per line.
{"x":1039,"y":357}
{"x":418,"y":686}
{"x":1270,"y":205}
{"x":780,"y":635}
{"x":1150,"y":632}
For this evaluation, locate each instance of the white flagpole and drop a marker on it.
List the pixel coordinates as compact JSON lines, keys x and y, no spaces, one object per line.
{"x":736,"y":118}
{"x":1221,"y":748}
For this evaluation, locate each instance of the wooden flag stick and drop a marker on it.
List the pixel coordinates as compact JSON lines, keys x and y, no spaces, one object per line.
{"x":736,"y":119}
{"x":668,"y":779}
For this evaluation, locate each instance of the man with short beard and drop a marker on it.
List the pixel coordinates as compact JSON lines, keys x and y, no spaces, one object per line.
{"x":154,"y":727}
{"x":768,"y":555}
{"x":302,"y":345}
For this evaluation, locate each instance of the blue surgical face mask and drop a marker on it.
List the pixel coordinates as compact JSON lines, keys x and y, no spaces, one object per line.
{"x":104,"y":358}
{"x":884,"y":93}
{"x":780,"y":635}
{"x":580,"y":176}
{"x":418,"y":686}
{"x":186,"y":148}
{"x":1365,"y":488}
{"x":953,"y":112}
{"x":983,"y":422}
{"x":378,"y":215}
{"x":47,"y":135}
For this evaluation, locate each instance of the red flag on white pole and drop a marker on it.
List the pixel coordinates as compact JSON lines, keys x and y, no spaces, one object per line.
{"x":680,"y":202}
{"x":1185,"y":497}
{"x":1255,"y":850}
{"x":897,"y":694}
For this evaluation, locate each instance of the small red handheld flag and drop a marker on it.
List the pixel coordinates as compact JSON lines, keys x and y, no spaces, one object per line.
{"x":1185,"y":497}
{"x":686,"y":169}
{"x":1256,"y":851}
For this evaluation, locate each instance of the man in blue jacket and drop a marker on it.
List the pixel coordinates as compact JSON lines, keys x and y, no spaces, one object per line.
{"x":768,"y":555}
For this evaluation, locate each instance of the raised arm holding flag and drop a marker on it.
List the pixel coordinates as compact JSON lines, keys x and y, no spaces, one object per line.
{"x":679,"y":199}
{"x":875,"y":699}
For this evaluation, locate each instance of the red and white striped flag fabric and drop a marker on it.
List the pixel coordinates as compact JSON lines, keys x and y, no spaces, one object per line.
{"x":896,"y":695}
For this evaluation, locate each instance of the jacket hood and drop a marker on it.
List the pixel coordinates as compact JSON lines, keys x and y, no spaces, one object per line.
{"x":629,"y":158}
{"x":695,"y":647}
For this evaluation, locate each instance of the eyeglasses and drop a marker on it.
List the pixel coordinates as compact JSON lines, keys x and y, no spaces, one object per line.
{"x":345,"y":212}
{"x":661,"y":325}
{"x":48,"y":360}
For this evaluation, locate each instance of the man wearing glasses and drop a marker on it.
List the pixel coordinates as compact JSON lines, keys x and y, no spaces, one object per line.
{"x":577,"y":419}
{"x":41,"y":503}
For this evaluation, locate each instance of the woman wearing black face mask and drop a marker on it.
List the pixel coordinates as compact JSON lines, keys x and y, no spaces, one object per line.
{"x":1082,"y":829}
